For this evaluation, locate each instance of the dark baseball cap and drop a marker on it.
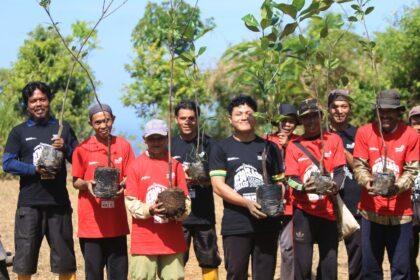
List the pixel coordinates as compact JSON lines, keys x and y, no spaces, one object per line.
{"x":308,"y":106}
{"x":389,"y":99}
{"x":287,"y":110}
{"x":414,"y":111}
{"x":338,"y":95}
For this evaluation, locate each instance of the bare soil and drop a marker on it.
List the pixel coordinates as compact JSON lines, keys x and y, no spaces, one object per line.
{"x":9,"y":193}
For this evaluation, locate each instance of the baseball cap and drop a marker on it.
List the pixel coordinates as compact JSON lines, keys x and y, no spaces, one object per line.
{"x":155,"y":126}
{"x":338,"y":95}
{"x":414,"y":111}
{"x":97,"y":108}
{"x":308,"y":106}
{"x":389,"y":99}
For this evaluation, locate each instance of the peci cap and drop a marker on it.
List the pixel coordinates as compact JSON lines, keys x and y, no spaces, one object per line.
{"x":338,"y":95}
{"x":414,"y":111}
{"x":308,"y":106}
{"x":97,"y":108}
{"x":389,"y":99}
{"x":155,"y":126}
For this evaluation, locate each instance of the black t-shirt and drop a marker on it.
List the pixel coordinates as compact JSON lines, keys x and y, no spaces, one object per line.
{"x":240,"y":163}
{"x":352,"y":190}
{"x":202,"y":203}
{"x":22,"y":146}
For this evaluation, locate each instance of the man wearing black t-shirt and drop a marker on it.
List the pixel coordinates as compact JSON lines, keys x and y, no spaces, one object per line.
{"x":43,"y":206}
{"x":339,"y":109}
{"x":192,"y":150}
{"x":236,"y":172}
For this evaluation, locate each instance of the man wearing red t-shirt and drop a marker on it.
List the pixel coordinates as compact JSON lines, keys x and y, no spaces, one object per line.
{"x":157,"y":243}
{"x":386,"y":221}
{"x":102,"y":223}
{"x":285,"y":134}
{"x":314,"y":220}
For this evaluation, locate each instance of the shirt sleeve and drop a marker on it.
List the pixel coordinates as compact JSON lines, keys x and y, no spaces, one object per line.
{"x":360,"y":145}
{"x":413,"y":148}
{"x":276,"y":162}
{"x":291,"y":163}
{"x":217,"y":161}
{"x":339,"y":158}
{"x":78,"y":167}
{"x":11,"y":162}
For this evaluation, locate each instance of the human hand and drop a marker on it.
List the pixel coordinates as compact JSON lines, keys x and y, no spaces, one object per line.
{"x":283,"y":138}
{"x":309,"y":185}
{"x":157,"y":209}
{"x":58,"y":143}
{"x":89,"y":187}
{"x":369,"y":188}
{"x":333,"y":190}
{"x":254,"y":209}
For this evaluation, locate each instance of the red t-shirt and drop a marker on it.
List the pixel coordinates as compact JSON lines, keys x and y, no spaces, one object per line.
{"x":288,"y":206}
{"x":298,"y":164}
{"x":403,"y":146}
{"x":97,"y":217}
{"x":146,"y":179}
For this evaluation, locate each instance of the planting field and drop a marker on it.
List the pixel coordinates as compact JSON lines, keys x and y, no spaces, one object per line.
{"x":9,"y":194}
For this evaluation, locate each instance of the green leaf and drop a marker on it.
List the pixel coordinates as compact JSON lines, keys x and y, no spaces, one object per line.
{"x":311,"y":9}
{"x":201,"y":51}
{"x":288,"y":29}
{"x":265,"y":23}
{"x":344,"y":80}
{"x":251,"y":22}
{"x":260,"y":115}
{"x":188,"y":33}
{"x":298,"y":4}
{"x":372,"y":44}
{"x":324,"y":32}
{"x":302,"y":39}
{"x":274,"y":20}
{"x":267,"y":128}
{"x":264,"y":43}
{"x":271,"y":37}
{"x":352,"y":19}
{"x":287,"y":9}
{"x":45,"y":3}
{"x":343,"y":1}
{"x":355,"y":7}
{"x":369,"y":10}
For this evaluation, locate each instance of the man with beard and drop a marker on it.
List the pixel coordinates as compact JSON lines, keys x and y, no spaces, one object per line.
{"x":386,"y":209}
{"x":282,"y":137}
{"x":43,"y":206}
{"x":339,"y":109}
{"x":103,"y":225}
{"x":192,"y":150}
{"x":236,"y":172}
{"x":314,"y":220}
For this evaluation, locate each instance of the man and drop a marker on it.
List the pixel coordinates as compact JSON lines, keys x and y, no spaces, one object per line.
{"x":339,"y":109}
{"x":386,"y":221}
{"x":190,"y":149}
{"x":102,"y":223}
{"x":414,"y":120}
{"x":314,"y":219}
{"x":285,"y":134}
{"x":236,"y":172}
{"x":43,"y":205}
{"x":157,"y":243}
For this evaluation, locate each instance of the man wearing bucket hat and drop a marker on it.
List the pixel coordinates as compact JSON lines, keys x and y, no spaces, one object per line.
{"x":414,"y":121}
{"x":314,"y":219}
{"x":236,"y":172}
{"x":157,"y":243}
{"x":282,"y":137}
{"x":339,"y":109}
{"x":103,"y":225}
{"x":43,"y":206}
{"x":192,"y":150}
{"x":386,"y":208}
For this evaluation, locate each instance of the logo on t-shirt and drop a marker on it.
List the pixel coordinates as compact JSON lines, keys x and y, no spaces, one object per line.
{"x":151,"y":197}
{"x":399,"y":149}
{"x":328,"y":154}
{"x":247,"y":176}
{"x":93,"y":162}
{"x":30,"y":138}
{"x":118,"y":160}
{"x":232,"y":158}
{"x":350,"y":146}
{"x":390,"y":165}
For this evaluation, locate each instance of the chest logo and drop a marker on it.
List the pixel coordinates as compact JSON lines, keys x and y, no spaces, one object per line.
{"x":373,"y":149}
{"x":145,"y":178}
{"x":118,"y":160}
{"x":302,"y":159}
{"x":176,"y":157}
{"x":92,"y":162}
{"x":399,"y":149}
{"x":328,"y":154}
{"x":232,"y":158}
{"x":30,"y":138}
{"x":350,"y":146}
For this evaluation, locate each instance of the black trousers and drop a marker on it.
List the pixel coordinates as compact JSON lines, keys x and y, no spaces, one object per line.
{"x":308,"y":230}
{"x":261,"y":246}
{"x":4,"y":275}
{"x":414,"y":265}
{"x":204,"y":240}
{"x":100,"y":252}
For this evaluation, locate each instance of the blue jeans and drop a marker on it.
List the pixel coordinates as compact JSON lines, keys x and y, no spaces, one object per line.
{"x":396,"y":239}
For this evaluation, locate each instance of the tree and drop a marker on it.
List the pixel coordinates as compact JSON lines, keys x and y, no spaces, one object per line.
{"x":150,"y":68}
{"x":43,"y":58}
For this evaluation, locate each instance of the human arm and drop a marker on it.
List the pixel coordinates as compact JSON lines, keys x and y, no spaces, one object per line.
{"x":406,"y":180}
{"x":80,"y":184}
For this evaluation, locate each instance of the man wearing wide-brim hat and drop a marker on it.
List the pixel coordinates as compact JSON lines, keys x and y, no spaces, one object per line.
{"x":386,"y":218}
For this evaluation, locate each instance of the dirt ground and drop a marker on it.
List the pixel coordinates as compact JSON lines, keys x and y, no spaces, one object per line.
{"x":8,"y":197}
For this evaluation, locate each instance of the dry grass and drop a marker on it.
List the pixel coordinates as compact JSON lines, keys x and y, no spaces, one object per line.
{"x":9,"y":193}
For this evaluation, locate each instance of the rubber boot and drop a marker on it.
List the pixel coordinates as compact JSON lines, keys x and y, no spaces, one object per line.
{"x":210,"y":273}
{"x":67,"y":276}
{"x":24,"y":277}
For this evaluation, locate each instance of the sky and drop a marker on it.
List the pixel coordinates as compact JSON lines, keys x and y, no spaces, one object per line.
{"x":18,"y":17}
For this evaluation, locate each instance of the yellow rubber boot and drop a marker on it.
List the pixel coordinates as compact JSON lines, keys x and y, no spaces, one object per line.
{"x":24,"y":277}
{"x":67,"y":276}
{"x":210,"y":273}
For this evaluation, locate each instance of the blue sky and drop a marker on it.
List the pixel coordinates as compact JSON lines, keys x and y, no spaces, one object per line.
{"x":18,"y":17}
